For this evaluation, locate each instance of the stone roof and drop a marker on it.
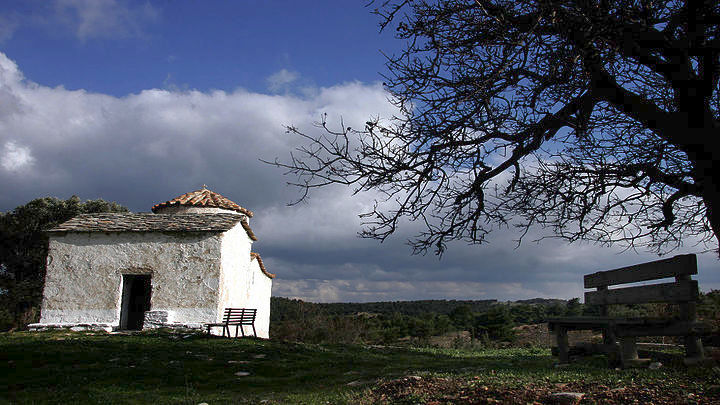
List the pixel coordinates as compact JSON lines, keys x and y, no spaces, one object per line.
{"x":255,"y":256}
{"x":203,"y":198}
{"x":147,"y":222}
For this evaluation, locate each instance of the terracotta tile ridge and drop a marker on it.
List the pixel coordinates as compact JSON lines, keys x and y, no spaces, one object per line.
{"x":248,"y":230}
{"x":254,"y":256}
{"x":204,"y":198}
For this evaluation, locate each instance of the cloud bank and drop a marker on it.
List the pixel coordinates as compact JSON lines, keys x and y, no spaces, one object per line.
{"x":148,"y":147}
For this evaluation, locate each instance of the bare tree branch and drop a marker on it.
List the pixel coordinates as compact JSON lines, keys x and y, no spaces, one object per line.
{"x":596,"y":119}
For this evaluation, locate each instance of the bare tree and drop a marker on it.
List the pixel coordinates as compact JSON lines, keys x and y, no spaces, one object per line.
{"x":596,"y":118}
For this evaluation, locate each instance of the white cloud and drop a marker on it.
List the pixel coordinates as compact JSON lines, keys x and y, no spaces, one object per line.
{"x":149,"y":147}
{"x":10,"y":103}
{"x":145,"y":147}
{"x":15,"y":158}
{"x":104,"y":18}
{"x":9,"y":72}
{"x":281,"y":80}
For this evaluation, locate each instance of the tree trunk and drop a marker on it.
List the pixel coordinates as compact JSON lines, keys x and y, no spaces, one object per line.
{"x":704,"y":168}
{"x":711,"y":198}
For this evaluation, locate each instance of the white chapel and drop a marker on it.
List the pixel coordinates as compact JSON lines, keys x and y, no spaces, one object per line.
{"x":178,"y":266}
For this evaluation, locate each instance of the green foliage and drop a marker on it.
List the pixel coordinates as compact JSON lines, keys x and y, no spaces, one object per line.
{"x":709,"y":306}
{"x":591,"y":310}
{"x":306,"y":323}
{"x":708,"y":310}
{"x":295,"y":320}
{"x":555,"y":309}
{"x":23,"y":252}
{"x":383,"y":322}
{"x":539,"y":310}
{"x":495,"y":324}
{"x":375,"y":322}
{"x":463,"y":318}
{"x":574,"y":307}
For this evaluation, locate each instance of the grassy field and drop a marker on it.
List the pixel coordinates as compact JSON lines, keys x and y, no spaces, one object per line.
{"x":160,"y":368}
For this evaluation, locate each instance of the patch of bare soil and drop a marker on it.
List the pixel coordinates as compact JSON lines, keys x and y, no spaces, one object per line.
{"x":451,"y":339}
{"x":538,"y":335}
{"x":533,"y":335}
{"x":437,"y":391}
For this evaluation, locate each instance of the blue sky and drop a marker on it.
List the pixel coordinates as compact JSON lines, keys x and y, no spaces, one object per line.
{"x":119,"y":48}
{"x":139,"y":102}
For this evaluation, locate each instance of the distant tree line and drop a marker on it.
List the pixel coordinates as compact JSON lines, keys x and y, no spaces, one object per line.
{"x":386,"y":322}
{"x":488,"y":321}
{"x":412,"y":308}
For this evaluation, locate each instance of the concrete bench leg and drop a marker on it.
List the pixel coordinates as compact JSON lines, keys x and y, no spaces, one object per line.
{"x":629,"y":354}
{"x":609,"y":340}
{"x":563,"y":345}
{"x":694,"y":353}
{"x":628,"y":349}
{"x":609,"y":336}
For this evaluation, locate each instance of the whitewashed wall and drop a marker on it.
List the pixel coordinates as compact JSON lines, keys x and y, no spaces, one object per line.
{"x":84,"y":275}
{"x":261,"y":292}
{"x":242,"y":283}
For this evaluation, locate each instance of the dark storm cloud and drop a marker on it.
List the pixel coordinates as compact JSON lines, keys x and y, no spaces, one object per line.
{"x":321,"y":258}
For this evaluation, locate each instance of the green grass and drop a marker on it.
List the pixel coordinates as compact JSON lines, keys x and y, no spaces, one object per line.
{"x":159,"y":368}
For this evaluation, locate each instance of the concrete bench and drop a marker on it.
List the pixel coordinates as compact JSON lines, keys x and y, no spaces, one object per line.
{"x":620,"y":334}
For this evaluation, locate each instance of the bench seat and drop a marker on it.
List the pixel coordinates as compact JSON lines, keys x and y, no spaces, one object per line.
{"x":631,"y":326}
{"x":592,"y":322}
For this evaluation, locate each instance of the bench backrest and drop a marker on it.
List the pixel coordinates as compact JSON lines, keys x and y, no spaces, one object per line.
{"x":683,"y":290}
{"x":245,"y":316}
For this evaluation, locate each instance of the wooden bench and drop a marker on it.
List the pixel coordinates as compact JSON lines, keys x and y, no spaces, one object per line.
{"x":237,"y":317}
{"x":683,"y":291}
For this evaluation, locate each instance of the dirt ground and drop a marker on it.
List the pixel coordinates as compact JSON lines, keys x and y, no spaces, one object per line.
{"x":538,"y":335}
{"x":437,"y":391}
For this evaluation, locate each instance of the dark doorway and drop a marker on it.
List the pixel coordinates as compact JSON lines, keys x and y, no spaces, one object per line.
{"x":135,"y":301}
